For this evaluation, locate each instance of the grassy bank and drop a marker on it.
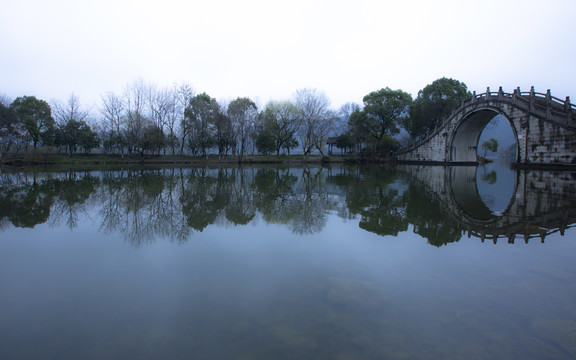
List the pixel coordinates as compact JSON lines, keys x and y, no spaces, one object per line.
{"x":31,"y":159}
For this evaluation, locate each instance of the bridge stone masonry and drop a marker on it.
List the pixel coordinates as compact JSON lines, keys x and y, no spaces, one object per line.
{"x":544,"y":127}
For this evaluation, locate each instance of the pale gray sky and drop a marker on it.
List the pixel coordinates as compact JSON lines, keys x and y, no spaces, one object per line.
{"x":267,"y":49}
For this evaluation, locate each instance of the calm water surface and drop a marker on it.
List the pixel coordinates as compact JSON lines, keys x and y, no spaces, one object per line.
{"x":288,"y":263}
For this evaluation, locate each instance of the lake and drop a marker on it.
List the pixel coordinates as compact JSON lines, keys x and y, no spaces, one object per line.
{"x":350,"y":262}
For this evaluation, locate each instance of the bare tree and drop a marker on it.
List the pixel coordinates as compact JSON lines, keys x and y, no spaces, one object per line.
{"x":5,"y":100}
{"x":174,"y":116}
{"x":112,"y":110}
{"x":316,"y":119}
{"x":161,"y":105}
{"x":10,"y":129}
{"x":71,"y":110}
{"x":136,"y":96}
{"x":341,"y":126}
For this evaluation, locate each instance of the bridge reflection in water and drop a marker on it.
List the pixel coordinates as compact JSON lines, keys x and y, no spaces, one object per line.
{"x":541,"y":203}
{"x":440,"y":203}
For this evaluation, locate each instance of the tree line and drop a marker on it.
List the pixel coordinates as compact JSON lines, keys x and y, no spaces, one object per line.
{"x":146,"y":119}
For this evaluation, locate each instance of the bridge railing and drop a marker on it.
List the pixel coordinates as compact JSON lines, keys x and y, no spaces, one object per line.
{"x":545,"y":99}
{"x":544,"y":104}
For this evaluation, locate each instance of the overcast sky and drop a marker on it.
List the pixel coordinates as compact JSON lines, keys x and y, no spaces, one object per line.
{"x":267,"y":49}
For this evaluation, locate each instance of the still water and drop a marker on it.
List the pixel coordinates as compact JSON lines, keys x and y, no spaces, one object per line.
{"x":409,"y":262}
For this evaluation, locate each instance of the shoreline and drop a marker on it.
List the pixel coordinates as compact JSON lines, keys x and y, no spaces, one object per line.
{"x":42,"y":159}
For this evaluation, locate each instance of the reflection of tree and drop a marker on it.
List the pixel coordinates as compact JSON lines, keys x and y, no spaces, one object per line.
{"x":429,"y":220}
{"x":381,"y":208}
{"x":275,"y":194}
{"x":133,"y":205}
{"x":386,"y":210}
{"x":386,"y":216}
{"x":24,"y":202}
{"x":142,"y":205}
{"x":490,"y":177}
{"x":311,"y":203}
{"x":242,"y":208}
{"x":27,"y":200}
{"x":172,"y":215}
{"x":29,"y":206}
{"x":71,"y":194}
{"x":299,"y":202}
{"x":201,"y":199}
{"x":169,"y":203}
{"x":210,"y":194}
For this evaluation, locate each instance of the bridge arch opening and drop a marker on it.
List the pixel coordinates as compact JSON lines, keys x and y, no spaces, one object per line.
{"x":477,"y":127}
{"x":499,"y":128}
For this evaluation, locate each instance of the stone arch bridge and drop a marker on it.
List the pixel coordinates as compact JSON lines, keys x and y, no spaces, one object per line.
{"x":544,"y":126}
